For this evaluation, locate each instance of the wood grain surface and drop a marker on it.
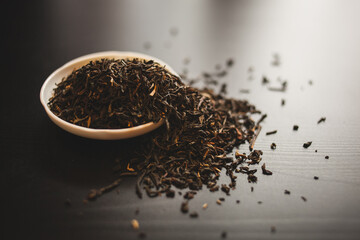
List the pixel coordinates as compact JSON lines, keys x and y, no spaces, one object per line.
{"x":41,"y":165}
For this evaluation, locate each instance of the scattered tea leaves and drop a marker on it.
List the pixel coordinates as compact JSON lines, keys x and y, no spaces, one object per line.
{"x":254,"y":137}
{"x":189,"y":195}
{"x":170,"y":193}
{"x":307,"y":144}
{"x":279,"y":89}
{"x":273,"y":146}
{"x":282,"y":102}
{"x":261,"y":119}
{"x":230,"y":62}
{"x":323,"y":119}
{"x":92,"y":195}
{"x":265,"y":80}
{"x":252,"y":178}
{"x":272,"y":132}
{"x":225,"y":188}
{"x":185,"y":207}
{"x":265,"y":171}
{"x":200,"y":127}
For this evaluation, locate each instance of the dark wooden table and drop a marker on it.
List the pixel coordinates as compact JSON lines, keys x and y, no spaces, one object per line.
{"x":41,"y":165}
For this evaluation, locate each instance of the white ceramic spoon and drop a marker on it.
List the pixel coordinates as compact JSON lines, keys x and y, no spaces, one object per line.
{"x":101,"y":134}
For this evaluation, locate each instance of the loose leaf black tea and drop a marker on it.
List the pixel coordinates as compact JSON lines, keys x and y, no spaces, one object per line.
{"x":252,"y":178}
{"x":265,"y":80}
{"x":191,"y":149}
{"x":282,"y":102}
{"x":272,"y":132}
{"x":230,"y":62}
{"x":262,"y":119}
{"x":265,"y":171}
{"x":95,"y":193}
{"x":323,"y":119}
{"x":192,"y":153}
{"x":189,"y":195}
{"x":307,"y":144}
{"x":185,"y":207}
{"x":110,"y":94}
{"x":279,"y":89}
{"x":170,"y":193}
{"x":273,"y":146}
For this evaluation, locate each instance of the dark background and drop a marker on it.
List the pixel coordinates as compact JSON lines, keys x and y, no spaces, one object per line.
{"x":41,"y":165}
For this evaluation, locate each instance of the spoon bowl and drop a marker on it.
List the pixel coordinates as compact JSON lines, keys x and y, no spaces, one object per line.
{"x":47,"y":89}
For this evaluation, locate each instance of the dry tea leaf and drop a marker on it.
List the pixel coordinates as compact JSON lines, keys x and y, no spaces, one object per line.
{"x":307,"y":144}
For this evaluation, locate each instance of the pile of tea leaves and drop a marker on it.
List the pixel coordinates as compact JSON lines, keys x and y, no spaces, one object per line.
{"x":191,"y":149}
{"x":113,"y":94}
